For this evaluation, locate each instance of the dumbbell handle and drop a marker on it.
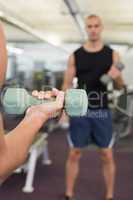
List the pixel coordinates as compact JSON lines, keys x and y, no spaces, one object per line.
{"x":106,"y":78}
{"x":120,"y":66}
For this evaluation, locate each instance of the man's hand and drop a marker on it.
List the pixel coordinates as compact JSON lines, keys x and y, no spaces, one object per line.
{"x":116,"y":75}
{"x":114,"y":72}
{"x":47,"y":110}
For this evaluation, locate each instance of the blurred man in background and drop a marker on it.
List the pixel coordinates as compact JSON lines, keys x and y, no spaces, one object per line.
{"x":88,"y":64}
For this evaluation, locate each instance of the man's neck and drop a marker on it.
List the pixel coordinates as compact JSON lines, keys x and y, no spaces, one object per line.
{"x":93,"y":45}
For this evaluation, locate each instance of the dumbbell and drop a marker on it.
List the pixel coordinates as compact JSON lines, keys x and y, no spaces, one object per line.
{"x":17,"y":100}
{"x":105,"y":79}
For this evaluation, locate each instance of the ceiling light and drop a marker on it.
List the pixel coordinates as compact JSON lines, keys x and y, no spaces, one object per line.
{"x":54,"y":39}
{"x":15,"y":50}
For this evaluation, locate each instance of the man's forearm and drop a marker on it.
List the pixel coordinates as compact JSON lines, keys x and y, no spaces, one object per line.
{"x":66,"y":86}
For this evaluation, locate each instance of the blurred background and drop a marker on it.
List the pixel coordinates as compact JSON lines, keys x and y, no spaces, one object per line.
{"x":40,"y":37}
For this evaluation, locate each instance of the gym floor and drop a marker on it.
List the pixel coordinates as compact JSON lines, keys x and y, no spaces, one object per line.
{"x":49,"y":180}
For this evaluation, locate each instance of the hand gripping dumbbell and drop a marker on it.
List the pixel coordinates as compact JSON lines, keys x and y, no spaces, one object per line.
{"x":17,"y":100}
{"x":105,"y":79}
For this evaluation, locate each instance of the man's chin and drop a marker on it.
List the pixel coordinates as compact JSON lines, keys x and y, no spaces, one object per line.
{"x":94,"y":39}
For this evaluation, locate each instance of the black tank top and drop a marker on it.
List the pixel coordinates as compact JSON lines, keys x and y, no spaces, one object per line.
{"x":90,"y":66}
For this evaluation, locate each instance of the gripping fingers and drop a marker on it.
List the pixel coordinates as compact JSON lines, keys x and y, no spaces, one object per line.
{"x":45,"y":95}
{"x":114,"y":72}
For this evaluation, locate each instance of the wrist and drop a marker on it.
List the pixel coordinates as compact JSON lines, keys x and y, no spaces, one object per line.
{"x":36,"y":116}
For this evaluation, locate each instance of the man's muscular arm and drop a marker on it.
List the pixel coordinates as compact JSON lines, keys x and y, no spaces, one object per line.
{"x":115,"y":73}
{"x":69,"y":73}
{"x":67,"y":83}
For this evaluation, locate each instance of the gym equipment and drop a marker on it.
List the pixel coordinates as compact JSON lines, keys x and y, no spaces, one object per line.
{"x":38,"y":148}
{"x":121,"y":104}
{"x":105,"y":79}
{"x":17,"y":100}
{"x":119,"y":99}
{"x":123,"y":100}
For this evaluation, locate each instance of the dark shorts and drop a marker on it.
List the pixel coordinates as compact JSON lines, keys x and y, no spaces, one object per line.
{"x":95,"y":128}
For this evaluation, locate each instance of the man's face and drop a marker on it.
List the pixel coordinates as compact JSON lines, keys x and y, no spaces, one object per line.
{"x":94,"y":28}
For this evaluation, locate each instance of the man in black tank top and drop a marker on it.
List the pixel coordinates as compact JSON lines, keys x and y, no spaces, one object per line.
{"x":88,"y":64}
